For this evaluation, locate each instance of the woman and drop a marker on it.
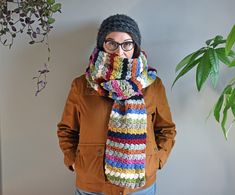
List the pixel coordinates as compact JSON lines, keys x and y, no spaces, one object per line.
{"x":116,"y":130}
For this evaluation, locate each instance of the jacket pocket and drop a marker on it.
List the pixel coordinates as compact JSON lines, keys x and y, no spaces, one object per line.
{"x":152,"y":161}
{"x":89,"y":164}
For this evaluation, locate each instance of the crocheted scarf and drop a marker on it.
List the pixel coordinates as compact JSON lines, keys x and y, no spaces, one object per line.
{"x":122,"y":79}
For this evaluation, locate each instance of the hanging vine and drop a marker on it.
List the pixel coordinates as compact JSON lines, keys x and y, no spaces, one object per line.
{"x":33,"y":18}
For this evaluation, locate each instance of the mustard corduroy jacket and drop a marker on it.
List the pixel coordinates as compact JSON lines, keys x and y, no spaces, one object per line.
{"x":82,"y":134}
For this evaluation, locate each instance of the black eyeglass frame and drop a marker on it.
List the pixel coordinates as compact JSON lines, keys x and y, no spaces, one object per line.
{"x":120,"y":44}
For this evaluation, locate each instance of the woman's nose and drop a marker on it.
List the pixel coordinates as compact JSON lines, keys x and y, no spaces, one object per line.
{"x":120,"y":51}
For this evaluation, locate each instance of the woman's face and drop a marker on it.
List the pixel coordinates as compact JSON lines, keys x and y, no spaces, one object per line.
{"x":112,"y":44}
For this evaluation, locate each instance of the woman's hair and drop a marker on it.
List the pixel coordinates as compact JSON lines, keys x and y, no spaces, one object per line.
{"x":137,"y":51}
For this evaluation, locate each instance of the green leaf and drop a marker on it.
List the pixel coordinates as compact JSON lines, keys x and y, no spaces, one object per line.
{"x":218,"y":107}
{"x":232,"y":64}
{"x":218,"y":40}
{"x":203,"y":70}
{"x":231,"y":100}
{"x":231,"y":54}
{"x":227,"y":90}
{"x":56,"y":7}
{"x":209,"y":41}
{"x":186,"y":69}
{"x":233,"y":110}
{"x":232,"y":82}
{"x":50,"y":2}
{"x":230,"y":40}
{"x":189,"y":58}
{"x":222,"y":56}
{"x":218,"y":43}
{"x":214,"y":60}
{"x":229,"y":103}
{"x":225,"y":114}
{"x":51,"y":20}
{"x":183,"y":62}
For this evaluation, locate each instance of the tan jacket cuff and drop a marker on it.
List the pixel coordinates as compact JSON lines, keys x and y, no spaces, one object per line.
{"x":69,"y":159}
{"x":162,"y":154}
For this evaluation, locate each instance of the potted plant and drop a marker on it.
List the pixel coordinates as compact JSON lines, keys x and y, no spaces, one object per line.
{"x":207,"y":62}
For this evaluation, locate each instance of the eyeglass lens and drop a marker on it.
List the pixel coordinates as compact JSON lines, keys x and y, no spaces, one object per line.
{"x":113,"y":45}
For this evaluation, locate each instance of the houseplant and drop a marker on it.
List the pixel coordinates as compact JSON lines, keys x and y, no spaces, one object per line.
{"x":33,"y":18}
{"x":207,"y":61}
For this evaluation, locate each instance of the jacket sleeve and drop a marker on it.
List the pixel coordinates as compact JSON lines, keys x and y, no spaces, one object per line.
{"x":68,"y":128}
{"x":164,"y":127}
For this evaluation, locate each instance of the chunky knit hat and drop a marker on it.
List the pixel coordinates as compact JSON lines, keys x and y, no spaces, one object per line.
{"x":119,"y":23}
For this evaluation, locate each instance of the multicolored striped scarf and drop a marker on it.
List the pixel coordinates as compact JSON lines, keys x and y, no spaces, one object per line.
{"x":122,"y":79}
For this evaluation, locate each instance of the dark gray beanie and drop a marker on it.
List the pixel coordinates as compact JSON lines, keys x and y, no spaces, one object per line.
{"x":119,"y":23}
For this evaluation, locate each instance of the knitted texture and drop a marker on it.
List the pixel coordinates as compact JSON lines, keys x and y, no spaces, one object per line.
{"x":122,"y":80}
{"x":119,"y":23}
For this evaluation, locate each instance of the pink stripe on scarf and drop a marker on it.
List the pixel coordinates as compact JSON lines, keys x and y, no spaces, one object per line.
{"x":118,"y":89}
{"x":126,"y":161}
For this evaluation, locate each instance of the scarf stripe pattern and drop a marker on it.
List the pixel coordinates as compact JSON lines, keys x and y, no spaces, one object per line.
{"x":122,"y":80}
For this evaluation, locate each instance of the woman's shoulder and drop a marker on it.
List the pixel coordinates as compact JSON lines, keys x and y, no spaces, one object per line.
{"x":79,"y":80}
{"x":157,"y":83}
{"x":79,"y":83}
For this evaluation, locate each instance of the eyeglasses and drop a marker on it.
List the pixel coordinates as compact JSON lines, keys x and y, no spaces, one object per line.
{"x":112,"y":45}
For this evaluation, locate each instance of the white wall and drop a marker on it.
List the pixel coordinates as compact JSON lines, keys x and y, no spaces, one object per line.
{"x":32,"y":164}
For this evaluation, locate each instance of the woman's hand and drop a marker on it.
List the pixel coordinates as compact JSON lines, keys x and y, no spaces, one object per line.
{"x":73,"y":165}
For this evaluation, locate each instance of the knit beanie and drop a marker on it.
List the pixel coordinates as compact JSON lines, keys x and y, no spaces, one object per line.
{"x":118,"y":23}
